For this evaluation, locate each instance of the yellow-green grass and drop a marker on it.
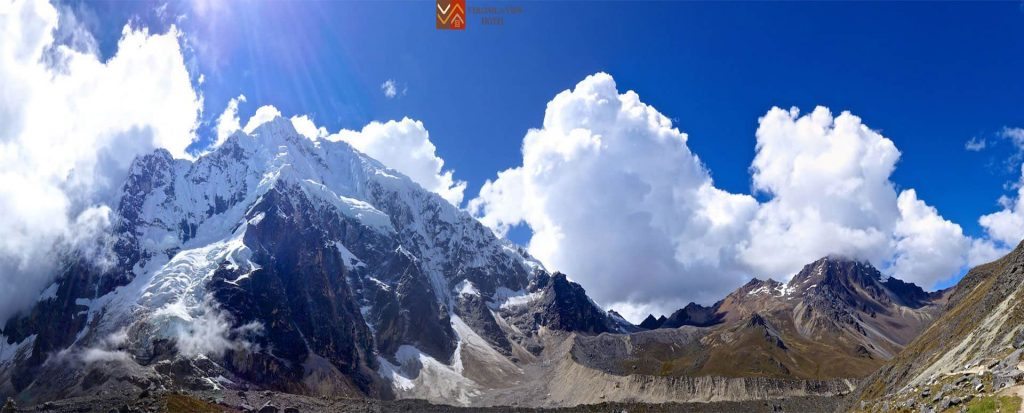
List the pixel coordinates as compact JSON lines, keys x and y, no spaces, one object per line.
{"x":994,"y":404}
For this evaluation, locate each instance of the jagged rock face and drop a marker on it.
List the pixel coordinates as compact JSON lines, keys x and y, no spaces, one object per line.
{"x":836,"y":318}
{"x":977,"y":339}
{"x":282,"y":263}
{"x":565,"y":306}
{"x":555,"y":303}
{"x":856,"y":285}
{"x":300,"y":293}
{"x":693,"y":315}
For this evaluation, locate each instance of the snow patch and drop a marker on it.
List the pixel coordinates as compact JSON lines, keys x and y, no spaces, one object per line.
{"x":620,"y":322}
{"x":383,"y":285}
{"x":170,"y":295}
{"x":48,"y":293}
{"x":784,"y":290}
{"x":9,"y":351}
{"x":466,"y":288}
{"x":505,"y":298}
{"x":471,"y":342}
{"x":350,"y":260}
{"x":365,"y":312}
{"x":420,"y":376}
{"x":391,"y":373}
{"x":254,"y":221}
{"x":350,"y":207}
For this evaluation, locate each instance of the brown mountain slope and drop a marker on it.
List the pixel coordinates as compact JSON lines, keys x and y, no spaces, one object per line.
{"x":836,"y":319}
{"x":972,"y":349}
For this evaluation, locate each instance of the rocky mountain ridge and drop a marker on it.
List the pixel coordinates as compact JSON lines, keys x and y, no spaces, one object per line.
{"x":836,"y":318}
{"x":971,"y":354}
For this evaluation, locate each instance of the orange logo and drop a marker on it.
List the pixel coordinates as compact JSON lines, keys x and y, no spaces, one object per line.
{"x":451,"y":14}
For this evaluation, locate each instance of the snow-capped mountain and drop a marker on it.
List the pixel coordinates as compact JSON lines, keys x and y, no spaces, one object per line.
{"x":303,"y":266}
{"x":282,"y":263}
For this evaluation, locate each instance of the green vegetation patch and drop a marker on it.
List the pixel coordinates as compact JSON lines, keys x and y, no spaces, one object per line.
{"x":993,"y":404}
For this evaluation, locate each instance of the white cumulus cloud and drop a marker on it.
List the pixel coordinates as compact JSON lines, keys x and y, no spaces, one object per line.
{"x":828,"y":178}
{"x":264,"y":114}
{"x":228,"y":122}
{"x":406,"y":147}
{"x":928,"y":247}
{"x":616,"y":199}
{"x":70,"y":124}
{"x":304,"y":126}
{"x":1005,"y":228}
{"x":831,"y":193}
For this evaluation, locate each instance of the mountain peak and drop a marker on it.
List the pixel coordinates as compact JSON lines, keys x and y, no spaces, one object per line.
{"x":652,"y":323}
{"x":835,"y":270}
{"x":693,"y":315}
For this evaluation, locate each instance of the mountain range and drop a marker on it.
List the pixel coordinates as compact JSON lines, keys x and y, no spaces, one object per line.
{"x":279,"y":263}
{"x":836,"y":318}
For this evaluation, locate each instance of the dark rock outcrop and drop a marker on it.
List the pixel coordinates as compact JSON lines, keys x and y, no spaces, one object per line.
{"x":565,"y":306}
{"x":652,"y":323}
{"x":693,"y":315}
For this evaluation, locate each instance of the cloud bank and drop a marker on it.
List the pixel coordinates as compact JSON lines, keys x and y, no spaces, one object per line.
{"x":616,"y":199}
{"x":70,"y":124}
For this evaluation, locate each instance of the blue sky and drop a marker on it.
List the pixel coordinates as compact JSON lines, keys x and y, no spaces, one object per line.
{"x":929,"y":76}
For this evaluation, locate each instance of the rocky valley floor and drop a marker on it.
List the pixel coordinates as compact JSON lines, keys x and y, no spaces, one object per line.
{"x":269,"y":402}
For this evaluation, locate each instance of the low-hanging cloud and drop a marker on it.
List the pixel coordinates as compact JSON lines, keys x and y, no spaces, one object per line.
{"x":70,"y":123}
{"x":616,"y":199}
{"x":210,"y":333}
